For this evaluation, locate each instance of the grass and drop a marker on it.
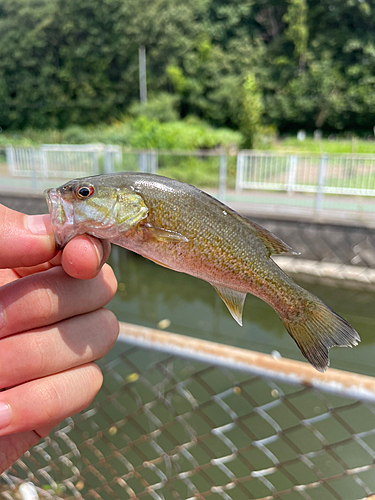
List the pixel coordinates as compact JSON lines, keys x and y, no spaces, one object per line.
{"x":338,"y":146}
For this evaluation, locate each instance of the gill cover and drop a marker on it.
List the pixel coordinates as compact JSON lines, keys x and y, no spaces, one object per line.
{"x":108,"y":211}
{"x":128,"y":210}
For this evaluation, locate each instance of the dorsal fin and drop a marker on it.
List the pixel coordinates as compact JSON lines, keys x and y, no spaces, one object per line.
{"x":272,"y":242}
{"x":233,"y":300}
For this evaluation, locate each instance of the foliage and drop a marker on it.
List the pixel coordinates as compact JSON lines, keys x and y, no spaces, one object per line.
{"x":344,"y":146}
{"x":140,"y":133}
{"x":180,"y":135}
{"x":65,"y":63}
{"x":198,"y":171}
{"x":161,"y":107}
{"x":297,"y":30}
{"x":252,"y":110}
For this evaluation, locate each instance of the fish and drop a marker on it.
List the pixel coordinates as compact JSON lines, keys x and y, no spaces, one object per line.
{"x":180,"y":227}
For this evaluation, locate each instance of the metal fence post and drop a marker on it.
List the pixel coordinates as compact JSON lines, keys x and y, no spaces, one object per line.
{"x":11,"y":160}
{"x":320,"y":188}
{"x":292,"y":174}
{"x":153,"y":162}
{"x":34,"y":177}
{"x":222,"y":177}
{"x":239,"y":171}
{"x":142,"y":158}
{"x":112,"y":158}
{"x":43,"y":161}
{"x":107,"y":165}
{"x":148,"y":162}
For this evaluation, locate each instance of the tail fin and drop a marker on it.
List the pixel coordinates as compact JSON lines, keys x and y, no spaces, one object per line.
{"x":318,"y":330}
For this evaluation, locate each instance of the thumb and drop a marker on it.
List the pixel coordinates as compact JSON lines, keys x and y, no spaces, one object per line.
{"x":25,"y":240}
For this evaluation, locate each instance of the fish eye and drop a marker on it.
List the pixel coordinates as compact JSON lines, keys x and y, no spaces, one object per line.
{"x":84,"y":192}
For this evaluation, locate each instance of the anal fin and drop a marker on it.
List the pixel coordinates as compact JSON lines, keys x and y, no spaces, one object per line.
{"x":233,"y":300}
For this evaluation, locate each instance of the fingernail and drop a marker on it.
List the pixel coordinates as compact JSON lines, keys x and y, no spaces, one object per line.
{"x":5,"y":415}
{"x":39,"y":224}
{"x":98,"y":248}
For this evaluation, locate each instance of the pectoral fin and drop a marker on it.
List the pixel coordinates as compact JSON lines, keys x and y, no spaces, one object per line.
{"x":233,"y":300}
{"x":164,"y":235}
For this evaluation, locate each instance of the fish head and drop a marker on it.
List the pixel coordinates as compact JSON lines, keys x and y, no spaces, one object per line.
{"x":90,"y":206}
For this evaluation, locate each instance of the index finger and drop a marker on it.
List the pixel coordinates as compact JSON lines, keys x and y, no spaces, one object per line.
{"x":82,"y":258}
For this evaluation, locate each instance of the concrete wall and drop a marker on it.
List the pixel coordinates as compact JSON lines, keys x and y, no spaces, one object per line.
{"x":26,"y":203}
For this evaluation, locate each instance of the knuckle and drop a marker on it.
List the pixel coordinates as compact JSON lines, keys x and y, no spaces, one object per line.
{"x":42,"y":299}
{"x":49,"y":397}
{"x":47,"y":300}
{"x":35,"y":349}
{"x":89,"y":379}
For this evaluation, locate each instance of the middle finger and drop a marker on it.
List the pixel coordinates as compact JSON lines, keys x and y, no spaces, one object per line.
{"x":45,"y":351}
{"x":48,"y":297}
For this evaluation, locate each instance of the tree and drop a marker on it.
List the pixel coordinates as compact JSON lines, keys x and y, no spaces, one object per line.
{"x":297,"y":30}
{"x":252,"y":110}
{"x":65,"y":62}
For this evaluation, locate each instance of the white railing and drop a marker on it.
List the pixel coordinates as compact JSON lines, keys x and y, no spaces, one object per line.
{"x":258,"y":170}
{"x":22,"y":162}
{"x":148,"y":162}
{"x":62,"y":160}
{"x":112,"y":157}
{"x":309,"y":173}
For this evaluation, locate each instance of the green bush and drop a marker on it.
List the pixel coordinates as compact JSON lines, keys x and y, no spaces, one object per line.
{"x":187,"y":134}
{"x":202,"y":171}
{"x":140,"y":133}
{"x":160,"y":107}
{"x":77,"y":135}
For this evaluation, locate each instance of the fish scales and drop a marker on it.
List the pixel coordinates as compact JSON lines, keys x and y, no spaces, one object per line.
{"x":208,"y":230}
{"x":180,"y":227}
{"x":227,"y":246}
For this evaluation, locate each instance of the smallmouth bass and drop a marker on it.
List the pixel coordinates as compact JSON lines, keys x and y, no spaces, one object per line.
{"x":180,"y":227}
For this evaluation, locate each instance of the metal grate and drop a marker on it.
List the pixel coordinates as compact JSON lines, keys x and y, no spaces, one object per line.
{"x":168,"y":427}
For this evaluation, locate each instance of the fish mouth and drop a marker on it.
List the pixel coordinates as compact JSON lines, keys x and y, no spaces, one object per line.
{"x":62,"y":217}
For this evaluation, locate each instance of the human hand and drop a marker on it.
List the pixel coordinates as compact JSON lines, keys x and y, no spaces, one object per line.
{"x":52,"y":328}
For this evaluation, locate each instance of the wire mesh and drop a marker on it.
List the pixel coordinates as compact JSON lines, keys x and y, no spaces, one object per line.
{"x":168,"y":427}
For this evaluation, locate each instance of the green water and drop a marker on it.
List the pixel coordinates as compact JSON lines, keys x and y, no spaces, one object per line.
{"x":150,"y":293}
